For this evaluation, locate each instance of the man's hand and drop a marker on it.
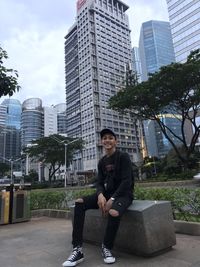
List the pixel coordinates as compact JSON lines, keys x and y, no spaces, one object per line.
{"x":102,"y":203}
{"x":108,"y":205}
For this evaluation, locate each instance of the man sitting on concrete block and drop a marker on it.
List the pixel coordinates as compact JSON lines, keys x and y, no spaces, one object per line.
{"x":113,"y":196}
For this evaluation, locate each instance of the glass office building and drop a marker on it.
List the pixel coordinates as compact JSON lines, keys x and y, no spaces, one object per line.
{"x":136,"y":63}
{"x":14,"y":110}
{"x":156,"y":50}
{"x":184,"y":17}
{"x":10,"y":137}
{"x":157,"y":144}
{"x":155,"y":46}
{"x":32,"y":121}
{"x":97,"y":51}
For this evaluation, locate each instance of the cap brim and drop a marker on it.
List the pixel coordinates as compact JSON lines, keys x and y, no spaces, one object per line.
{"x":107,"y":131}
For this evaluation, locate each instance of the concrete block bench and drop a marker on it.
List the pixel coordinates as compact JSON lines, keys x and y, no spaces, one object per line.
{"x":146,"y":229}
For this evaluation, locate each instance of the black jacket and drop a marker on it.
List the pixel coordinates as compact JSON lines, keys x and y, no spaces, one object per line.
{"x":123,"y":176}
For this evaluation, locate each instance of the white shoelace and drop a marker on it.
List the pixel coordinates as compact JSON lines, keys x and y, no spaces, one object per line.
{"x":107,"y":252}
{"x":73,"y":255}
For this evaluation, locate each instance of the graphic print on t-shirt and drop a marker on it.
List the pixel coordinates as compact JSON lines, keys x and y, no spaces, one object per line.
{"x":109,"y":168}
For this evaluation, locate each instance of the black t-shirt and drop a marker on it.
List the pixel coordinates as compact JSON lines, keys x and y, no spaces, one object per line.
{"x":108,"y":168}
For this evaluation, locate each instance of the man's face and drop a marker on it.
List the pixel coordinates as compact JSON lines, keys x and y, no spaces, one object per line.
{"x":109,"y":142}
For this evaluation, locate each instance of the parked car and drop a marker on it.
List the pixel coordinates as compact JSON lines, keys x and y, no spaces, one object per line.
{"x":5,"y":181}
{"x":197,"y":176}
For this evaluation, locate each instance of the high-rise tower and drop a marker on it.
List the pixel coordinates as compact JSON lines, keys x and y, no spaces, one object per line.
{"x":156,"y":50}
{"x":32,"y":121}
{"x":184,"y":17}
{"x":97,"y":51}
{"x":50,"y":121}
{"x":60,"y":110}
{"x":10,"y":131}
{"x":136,"y":63}
{"x":155,"y":46}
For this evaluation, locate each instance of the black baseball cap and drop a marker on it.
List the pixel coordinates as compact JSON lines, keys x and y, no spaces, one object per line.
{"x":107,"y":131}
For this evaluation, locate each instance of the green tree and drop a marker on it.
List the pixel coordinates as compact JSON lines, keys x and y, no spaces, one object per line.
{"x":171,"y":164}
{"x":52,"y":153}
{"x":8,"y":77}
{"x":174,"y":90}
{"x":4,"y":168}
{"x":32,"y":177}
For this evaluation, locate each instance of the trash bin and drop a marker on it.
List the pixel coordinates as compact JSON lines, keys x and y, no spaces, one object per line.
{"x":20,"y":203}
{"x":14,"y":203}
{"x":4,"y":205}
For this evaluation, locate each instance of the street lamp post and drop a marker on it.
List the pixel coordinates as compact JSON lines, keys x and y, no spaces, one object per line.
{"x":11,"y":171}
{"x":65,"y":144}
{"x":27,"y":164}
{"x":65,"y":165}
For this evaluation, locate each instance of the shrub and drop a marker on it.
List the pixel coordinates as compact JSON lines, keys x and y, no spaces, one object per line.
{"x":185,"y":202}
{"x":55,"y":199}
{"x":47,"y":200}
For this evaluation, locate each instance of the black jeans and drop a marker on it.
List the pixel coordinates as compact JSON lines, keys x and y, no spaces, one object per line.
{"x":90,"y":202}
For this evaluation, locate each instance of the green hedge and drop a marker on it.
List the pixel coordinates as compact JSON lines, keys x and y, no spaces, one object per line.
{"x":47,"y":200}
{"x":185,"y":202}
{"x":55,"y":199}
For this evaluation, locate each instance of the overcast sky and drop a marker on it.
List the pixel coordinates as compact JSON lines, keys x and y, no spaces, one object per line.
{"x":32,"y":32}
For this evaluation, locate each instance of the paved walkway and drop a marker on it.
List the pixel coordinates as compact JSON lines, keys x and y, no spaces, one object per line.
{"x":45,"y":242}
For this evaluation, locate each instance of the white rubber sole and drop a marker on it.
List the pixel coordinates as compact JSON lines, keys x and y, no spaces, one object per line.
{"x":109,"y":260}
{"x":69,"y":264}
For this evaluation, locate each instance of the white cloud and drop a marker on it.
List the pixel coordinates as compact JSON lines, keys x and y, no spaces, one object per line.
{"x":32,"y":32}
{"x":40,"y":64}
{"x":144,"y":10}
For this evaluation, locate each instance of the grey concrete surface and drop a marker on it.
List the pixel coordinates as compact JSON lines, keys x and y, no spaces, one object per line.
{"x":46,"y":242}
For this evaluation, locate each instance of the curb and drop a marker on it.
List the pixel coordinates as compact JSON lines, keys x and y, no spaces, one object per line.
{"x":181,"y":227}
{"x":62,"y":214}
{"x":188,"y":228}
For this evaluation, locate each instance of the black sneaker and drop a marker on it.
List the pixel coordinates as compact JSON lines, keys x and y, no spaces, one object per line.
{"x":107,"y":255}
{"x":75,"y":257}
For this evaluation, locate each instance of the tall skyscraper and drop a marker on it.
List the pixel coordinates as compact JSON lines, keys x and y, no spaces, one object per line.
{"x":60,"y":110}
{"x":136,"y":63}
{"x":14,"y":110}
{"x":155,"y":46}
{"x":97,"y":51}
{"x":3,"y":111}
{"x":184,"y":17}
{"x":10,"y":137}
{"x":50,"y":121}
{"x":32,"y":121}
{"x":156,"y":50}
